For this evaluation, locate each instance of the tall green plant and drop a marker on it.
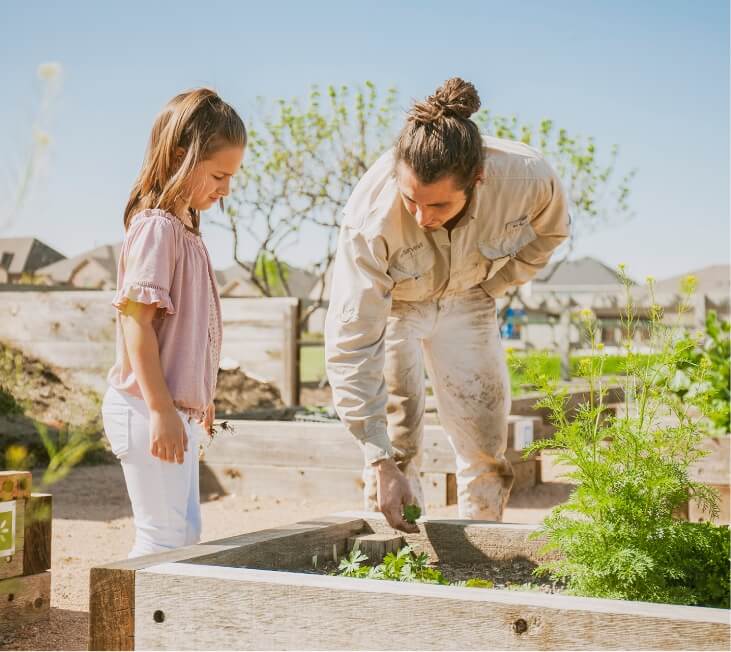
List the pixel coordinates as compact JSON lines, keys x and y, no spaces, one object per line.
{"x":618,"y":535}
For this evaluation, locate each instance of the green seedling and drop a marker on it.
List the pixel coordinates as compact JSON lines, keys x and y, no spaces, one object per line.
{"x":412,"y":513}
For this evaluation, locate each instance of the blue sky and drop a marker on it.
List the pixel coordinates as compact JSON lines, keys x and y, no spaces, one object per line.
{"x":651,"y":76}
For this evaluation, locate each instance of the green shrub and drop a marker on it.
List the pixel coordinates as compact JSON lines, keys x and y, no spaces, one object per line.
{"x":618,"y":535}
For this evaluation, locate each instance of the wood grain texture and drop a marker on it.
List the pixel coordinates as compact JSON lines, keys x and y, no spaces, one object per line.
{"x":24,"y":600}
{"x":183,"y":606}
{"x":112,"y":586}
{"x":38,"y":533}
{"x":376,"y":546}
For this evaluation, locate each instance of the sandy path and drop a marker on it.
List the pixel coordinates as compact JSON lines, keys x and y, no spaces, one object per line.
{"x":92,"y":525}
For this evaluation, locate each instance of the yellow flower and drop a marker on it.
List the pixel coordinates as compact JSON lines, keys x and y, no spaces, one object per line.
{"x":689,"y":284}
{"x":49,"y":70}
{"x":621,"y":267}
{"x":650,"y":280}
{"x":600,"y":346}
{"x":586,"y":314}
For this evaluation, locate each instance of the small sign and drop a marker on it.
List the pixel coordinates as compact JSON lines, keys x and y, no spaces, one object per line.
{"x":7,"y":528}
{"x":522,"y":434}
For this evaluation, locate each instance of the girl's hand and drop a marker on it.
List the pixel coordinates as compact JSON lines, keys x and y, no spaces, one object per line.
{"x":208,"y":420}
{"x":168,"y":439}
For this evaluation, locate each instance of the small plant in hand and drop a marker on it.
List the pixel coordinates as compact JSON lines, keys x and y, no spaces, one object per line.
{"x":619,"y":535}
{"x":223,"y":426}
{"x":412,"y":513}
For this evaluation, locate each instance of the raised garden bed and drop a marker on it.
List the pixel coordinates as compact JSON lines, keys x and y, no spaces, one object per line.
{"x":242,"y":593}
{"x":25,"y":553}
{"x":316,"y":460}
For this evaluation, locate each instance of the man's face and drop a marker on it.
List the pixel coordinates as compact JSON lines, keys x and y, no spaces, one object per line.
{"x":430,"y":204}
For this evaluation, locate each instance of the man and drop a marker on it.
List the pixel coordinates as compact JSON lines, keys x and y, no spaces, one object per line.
{"x":435,"y":230}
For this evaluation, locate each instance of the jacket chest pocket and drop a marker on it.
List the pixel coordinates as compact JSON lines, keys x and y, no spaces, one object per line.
{"x":516,"y":235}
{"x":411,"y":265}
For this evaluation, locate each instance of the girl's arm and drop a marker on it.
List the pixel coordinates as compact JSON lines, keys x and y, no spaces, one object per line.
{"x":168,"y":439}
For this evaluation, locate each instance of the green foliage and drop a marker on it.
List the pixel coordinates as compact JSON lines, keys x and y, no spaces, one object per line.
{"x":303,"y":160}
{"x":618,"y":534}
{"x":412,"y":513}
{"x":546,"y":364}
{"x":402,"y":566}
{"x":701,"y":372}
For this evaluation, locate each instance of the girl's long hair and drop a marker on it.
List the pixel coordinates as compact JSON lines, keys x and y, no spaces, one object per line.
{"x":198,"y":122}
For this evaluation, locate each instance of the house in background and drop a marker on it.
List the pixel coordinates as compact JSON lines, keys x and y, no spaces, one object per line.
{"x":94,"y":270}
{"x":20,"y":258}
{"x":583,"y":280}
{"x":234,"y":281}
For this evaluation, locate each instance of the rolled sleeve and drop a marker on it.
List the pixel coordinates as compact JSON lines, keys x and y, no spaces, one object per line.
{"x":360,"y":302}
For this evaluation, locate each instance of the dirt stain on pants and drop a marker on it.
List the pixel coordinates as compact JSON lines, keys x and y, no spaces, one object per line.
{"x":456,"y":340}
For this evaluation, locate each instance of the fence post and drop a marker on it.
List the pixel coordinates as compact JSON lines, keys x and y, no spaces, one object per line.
{"x":291,"y":355}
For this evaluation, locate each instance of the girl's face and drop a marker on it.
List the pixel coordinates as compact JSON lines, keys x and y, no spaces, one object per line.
{"x":430,"y":204}
{"x":211,"y":179}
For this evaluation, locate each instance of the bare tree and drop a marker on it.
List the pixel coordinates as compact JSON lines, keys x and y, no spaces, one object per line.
{"x":302,"y":163}
{"x":305,"y":157}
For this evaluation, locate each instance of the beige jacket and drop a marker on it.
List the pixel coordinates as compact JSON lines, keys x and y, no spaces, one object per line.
{"x":516,"y":218}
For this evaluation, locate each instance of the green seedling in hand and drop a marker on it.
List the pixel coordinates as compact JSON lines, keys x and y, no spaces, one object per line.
{"x":412,"y":513}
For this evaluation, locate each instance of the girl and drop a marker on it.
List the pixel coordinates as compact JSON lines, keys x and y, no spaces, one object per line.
{"x":169,"y":328}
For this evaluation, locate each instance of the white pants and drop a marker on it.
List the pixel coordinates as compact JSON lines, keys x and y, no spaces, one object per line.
{"x":458,"y":341}
{"x":165,"y":496}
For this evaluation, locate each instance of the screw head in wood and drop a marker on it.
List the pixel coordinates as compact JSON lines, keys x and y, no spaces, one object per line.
{"x":158,"y":616}
{"x":520,"y":626}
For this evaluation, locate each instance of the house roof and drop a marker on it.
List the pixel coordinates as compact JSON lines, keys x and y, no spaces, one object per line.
{"x":26,"y":255}
{"x":300,"y":281}
{"x":714,"y":279}
{"x":106,"y":258}
{"x":586,"y":271}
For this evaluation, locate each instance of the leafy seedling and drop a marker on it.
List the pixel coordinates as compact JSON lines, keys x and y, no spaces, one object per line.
{"x":412,"y":513}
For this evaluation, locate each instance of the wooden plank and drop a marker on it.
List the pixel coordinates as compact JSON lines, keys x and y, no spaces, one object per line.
{"x":434,"y":487}
{"x":24,"y":600}
{"x":111,"y":609}
{"x":526,"y":405}
{"x":376,"y":546}
{"x":187,"y":606}
{"x":319,"y":445}
{"x":307,"y":483}
{"x":112,"y":586}
{"x":38,"y":534}
{"x":464,"y":540}
{"x":12,"y":565}
{"x":696,"y":514}
{"x":291,"y":380}
{"x":713,"y":468}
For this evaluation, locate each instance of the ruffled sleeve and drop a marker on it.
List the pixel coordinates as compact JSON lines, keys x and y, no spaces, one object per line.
{"x":146,"y":264}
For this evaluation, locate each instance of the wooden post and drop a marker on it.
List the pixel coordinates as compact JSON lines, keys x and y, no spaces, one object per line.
{"x":25,"y":552}
{"x":291,"y":357}
{"x":376,"y":546}
{"x":38,"y":534}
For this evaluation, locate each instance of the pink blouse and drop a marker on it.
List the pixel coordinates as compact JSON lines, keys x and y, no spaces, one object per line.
{"x":164,"y":263}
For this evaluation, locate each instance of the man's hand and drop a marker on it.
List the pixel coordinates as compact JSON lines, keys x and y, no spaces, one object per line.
{"x":393,"y":493}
